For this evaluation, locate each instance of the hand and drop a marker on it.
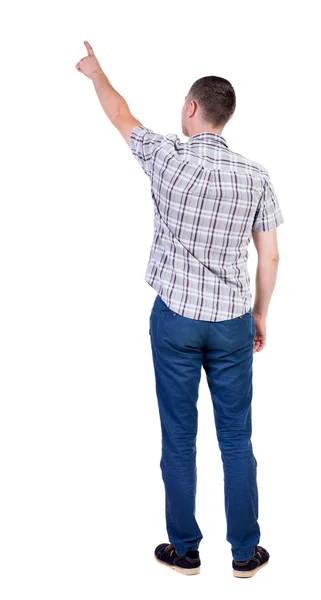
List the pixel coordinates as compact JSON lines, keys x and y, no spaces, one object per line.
{"x":260,"y":332}
{"x":89,"y":64}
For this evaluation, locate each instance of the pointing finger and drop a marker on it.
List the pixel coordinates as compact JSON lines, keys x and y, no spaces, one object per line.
{"x":89,"y":49}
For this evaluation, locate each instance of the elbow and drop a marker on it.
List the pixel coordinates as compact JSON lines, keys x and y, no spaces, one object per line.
{"x":121,"y":113}
{"x":269,"y":259}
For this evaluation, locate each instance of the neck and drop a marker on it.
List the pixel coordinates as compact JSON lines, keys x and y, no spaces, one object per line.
{"x":204,"y":129}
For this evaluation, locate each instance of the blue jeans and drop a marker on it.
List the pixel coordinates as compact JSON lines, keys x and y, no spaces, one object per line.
{"x":180,"y":347}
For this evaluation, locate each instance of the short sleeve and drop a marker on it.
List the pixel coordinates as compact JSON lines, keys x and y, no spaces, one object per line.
{"x":143,"y":143}
{"x":268,"y":215}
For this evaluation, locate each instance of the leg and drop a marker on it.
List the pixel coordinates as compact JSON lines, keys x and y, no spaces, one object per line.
{"x":177,"y":358}
{"x":228,"y":361}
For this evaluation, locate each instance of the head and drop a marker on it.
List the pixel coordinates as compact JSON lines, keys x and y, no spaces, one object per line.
{"x":209,"y":105}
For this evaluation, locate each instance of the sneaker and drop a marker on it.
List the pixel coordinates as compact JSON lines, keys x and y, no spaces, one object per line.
{"x":187,"y":565}
{"x":248,"y":568}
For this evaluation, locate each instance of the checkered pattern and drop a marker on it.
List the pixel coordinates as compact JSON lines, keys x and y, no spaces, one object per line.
{"x":207,"y":199}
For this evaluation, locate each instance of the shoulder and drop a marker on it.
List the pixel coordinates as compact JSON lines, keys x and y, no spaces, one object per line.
{"x":249,"y":164}
{"x":140,"y":131}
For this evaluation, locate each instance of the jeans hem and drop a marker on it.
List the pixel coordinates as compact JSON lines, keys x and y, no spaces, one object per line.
{"x":182,"y":551}
{"x":242,"y":557}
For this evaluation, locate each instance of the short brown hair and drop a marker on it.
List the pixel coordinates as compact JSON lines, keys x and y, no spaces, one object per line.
{"x":215,"y":97}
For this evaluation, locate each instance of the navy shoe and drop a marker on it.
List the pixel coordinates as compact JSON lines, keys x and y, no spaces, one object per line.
{"x":248,"y":568}
{"x":187,"y":565}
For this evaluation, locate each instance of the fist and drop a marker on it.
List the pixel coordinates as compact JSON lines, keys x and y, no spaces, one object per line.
{"x":89,"y":64}
{"x":260,"y":332}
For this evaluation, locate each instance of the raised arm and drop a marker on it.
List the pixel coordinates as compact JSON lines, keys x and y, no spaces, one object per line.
{"x":113,"y":104}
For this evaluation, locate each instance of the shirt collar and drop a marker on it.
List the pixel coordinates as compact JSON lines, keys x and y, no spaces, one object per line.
{"x":208,"y":138}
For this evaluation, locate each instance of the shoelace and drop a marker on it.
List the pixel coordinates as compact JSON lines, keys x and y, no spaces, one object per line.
{"x":170,"y":546}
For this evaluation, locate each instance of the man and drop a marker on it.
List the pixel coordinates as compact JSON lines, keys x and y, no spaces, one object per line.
{"x":208,"y":203}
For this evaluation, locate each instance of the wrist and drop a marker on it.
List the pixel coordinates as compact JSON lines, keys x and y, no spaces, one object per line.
{"x":258,"y":314}
{"x":97,"y":74}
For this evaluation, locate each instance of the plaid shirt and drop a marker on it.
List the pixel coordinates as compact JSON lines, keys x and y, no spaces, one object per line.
{"x":207,"y":199}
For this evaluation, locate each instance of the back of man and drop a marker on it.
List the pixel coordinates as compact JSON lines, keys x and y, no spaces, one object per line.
{"x":208,"y":202}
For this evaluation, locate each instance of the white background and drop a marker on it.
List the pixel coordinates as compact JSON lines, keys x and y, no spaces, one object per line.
{"x":82,"y":500}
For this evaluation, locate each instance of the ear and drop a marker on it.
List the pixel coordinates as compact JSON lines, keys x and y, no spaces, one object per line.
{"x":192,"y":108}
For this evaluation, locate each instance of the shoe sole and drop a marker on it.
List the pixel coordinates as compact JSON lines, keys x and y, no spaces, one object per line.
{"x":245,"y":574}
{"x":194,"y":571}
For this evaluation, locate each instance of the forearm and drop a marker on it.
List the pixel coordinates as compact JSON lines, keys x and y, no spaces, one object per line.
{"x":266,"y":274}
{"x":111,"y":101}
